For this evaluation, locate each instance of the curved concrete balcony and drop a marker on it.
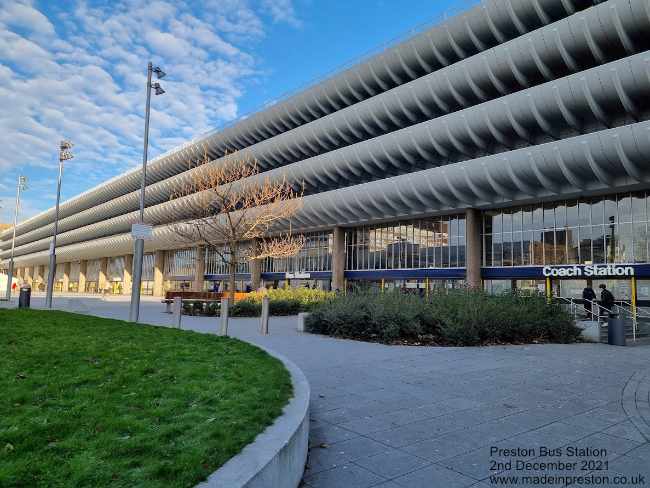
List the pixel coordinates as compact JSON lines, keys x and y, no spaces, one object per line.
{"x":608,"y":160}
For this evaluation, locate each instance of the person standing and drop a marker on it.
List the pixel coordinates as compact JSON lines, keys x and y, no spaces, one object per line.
{"x":606,"y":298}
{"x":588,"y":295}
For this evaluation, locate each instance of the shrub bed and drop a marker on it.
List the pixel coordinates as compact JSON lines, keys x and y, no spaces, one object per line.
{"x":457,"y":318}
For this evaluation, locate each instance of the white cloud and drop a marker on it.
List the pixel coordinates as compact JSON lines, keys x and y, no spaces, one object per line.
{"x":80,"y":73}
{"x":282,"y":11}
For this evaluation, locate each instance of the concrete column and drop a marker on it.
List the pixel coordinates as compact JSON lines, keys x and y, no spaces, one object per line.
{"x":199,"y":269}
{"x":66,"y":277}
{"x":42,"y":275}
{"x":83,"y":269}
{"x":127,"y":279}
{"x":102,"y":281}
{"x":338,"y":259}
{"x":28,"y":275}
{"x":158,"y":273}
{"x":473,"y":254}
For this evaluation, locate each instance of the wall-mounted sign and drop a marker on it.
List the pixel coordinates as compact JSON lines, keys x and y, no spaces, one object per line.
{"x":588,"y":271}
{"x":297,"y":276}
{"x":141,"y":231}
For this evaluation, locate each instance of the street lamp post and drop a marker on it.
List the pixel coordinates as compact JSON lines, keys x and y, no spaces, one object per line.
{"x":22,"y":185}
{"x":138,"y":252}
{"x":64,"y":155}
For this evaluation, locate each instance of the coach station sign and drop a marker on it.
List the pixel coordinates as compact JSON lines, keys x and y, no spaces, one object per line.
{"x":588,"y":271}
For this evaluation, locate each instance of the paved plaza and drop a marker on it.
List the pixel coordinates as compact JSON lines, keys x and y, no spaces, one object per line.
{"x":394,"y":417}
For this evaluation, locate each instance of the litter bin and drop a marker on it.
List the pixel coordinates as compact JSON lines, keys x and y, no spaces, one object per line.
{"x":615,"y":331}
{"x":25,"y":296}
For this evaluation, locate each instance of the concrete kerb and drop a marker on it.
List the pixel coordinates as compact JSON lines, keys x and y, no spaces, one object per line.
{"x":277,"y":456}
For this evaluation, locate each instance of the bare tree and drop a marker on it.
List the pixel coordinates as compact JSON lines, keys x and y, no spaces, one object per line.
{"x":238,"y":213}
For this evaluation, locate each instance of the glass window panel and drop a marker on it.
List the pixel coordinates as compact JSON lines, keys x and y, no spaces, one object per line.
{"x":461,"y":226}
{"x":572,"y":214}
{"x":507,"y":221}
{"x":487,"y":250}
{"x":517,"y":253}
{"x":497,"y":223}
{"x":624,"y":244}
{"x":527,"y":215}
{"x":640,"y":243}
{"x":537,"y":247}
{"x":625,"y":208}
{"x":584,"y":213}
{"x":573,"y":245}
{"x":561,"y":253}
{"x":549,"y":216}
{"x":598,"y":244}
{"x":517,"y":220}
{"x":560,"y":215}
{"x":585,"y":245}
{"x":610,"y":209}
{"x":527,"y":248}
{"x":507,"y":248}
{"x":548,"y":246}
{"x":497,"y":259}
{"x":538,"y":218}
{"x":639,"y":207}
{"x":597,"y":211}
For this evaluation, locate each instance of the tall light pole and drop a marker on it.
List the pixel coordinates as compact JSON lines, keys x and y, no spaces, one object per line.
{"x":64,"y":155}
{"x":140,"y":231}
{"x":22,"y":185}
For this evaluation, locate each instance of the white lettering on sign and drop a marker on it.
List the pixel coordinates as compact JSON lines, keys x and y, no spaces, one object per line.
{"x":589,"y":270}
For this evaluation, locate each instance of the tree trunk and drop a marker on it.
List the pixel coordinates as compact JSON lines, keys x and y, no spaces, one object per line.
{"x":232,"y":268}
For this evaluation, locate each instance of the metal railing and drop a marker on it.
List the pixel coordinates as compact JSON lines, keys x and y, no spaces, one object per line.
{"x":632,"y":313}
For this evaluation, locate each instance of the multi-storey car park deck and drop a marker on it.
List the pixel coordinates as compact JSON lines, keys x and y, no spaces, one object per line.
{"x":487,"y":150}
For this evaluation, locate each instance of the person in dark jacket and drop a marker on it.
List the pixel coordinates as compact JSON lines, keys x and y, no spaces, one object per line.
{"x":606,"y":298}
{"x":588,"y":295}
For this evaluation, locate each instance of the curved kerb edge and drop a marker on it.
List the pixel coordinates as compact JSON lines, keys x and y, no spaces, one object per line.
{"x":277,"y":456}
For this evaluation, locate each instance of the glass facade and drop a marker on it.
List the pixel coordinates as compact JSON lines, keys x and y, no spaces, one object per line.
{"x":316,"y":255}
{"x":180,"y":262}
{"x":436,"y":242}
{"x":611,"y":229}
{"x":216,"y":263}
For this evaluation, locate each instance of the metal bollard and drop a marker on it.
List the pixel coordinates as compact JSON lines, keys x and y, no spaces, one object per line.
{"x":264,"y":320}
{"x":224,"y":316}
{"x":178,"y":311}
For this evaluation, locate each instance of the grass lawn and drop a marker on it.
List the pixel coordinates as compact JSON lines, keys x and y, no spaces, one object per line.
{"x":86,"y":401}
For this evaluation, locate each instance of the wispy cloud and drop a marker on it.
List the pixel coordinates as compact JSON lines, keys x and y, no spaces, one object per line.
{"x":77,"y":70}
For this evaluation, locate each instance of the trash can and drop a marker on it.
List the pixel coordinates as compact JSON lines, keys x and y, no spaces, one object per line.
{"x":25,"y":296}
{"x":615,"y":331}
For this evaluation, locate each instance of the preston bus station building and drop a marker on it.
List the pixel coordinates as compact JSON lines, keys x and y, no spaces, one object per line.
{"x":506,"y":147}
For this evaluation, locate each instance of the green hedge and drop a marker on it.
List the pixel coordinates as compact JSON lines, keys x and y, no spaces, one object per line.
{"x":457,"y":318}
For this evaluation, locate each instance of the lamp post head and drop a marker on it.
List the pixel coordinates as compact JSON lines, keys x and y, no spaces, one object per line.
{"x":159,"y":72}
{"x":64,"y":150}
{"x":157,"y":88}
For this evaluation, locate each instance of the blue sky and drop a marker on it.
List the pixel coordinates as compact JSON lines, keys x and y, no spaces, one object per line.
{"x":76,"y":69}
